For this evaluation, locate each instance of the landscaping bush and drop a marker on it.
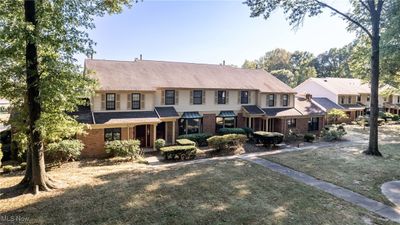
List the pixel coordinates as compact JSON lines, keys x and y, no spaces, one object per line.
{"x":159,"y":144}
{"x":22,"y":166}
{"x":8,"y":169}
{"x":124,"y":148}
{"x":309,"y":137}
{"x":182,"y":152}
{"x":336,"y":115}
{"x":395,"y":117}
{"x":185,"y":142}
{"x":200,"y":138}
{"x":249,"y":132}
{"x":64,"y":150}
{"x":333,"y":133}
{"x":227,"y":141}
{"x":224,"y":131}
{"x":385,"y":116}
{"x":268,"y":138}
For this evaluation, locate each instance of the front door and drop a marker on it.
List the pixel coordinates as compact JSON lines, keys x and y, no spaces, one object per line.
{"x":161,"y":131}
{"x":143,"y":135}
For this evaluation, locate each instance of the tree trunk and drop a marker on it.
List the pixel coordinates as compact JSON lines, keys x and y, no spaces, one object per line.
{"x":374,"y":111}
{"x":35,"y":175}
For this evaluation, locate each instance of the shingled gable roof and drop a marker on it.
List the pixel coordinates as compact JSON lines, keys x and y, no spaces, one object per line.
{"x":147,"y":75}
{"x":343,"y":86}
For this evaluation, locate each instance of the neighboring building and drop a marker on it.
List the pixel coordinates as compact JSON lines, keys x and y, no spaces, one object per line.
{"x":147,"y":100}
{"x":390,"y":97}
{"x":350,"y":95}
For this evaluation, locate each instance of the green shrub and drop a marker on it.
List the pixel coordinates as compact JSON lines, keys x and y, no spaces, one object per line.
{"x":227,"y":141}
{"x":159,"y":143}
{"x":395,"y":117}
{"x":309,"y":137}
{"x":64,"y":150}
{"x":124,"y":148}
{"x":224,"y":131}
{"x":385,"y":116}
{"x":8,"y":169}
{"x":22,"y":166}
{"x":200,"y":138}
{"x":185,"y":142}
{"x":336,"y":115}
{"x":249,"y":132}
{"x":333,"y":133}
{"x":268,"y":138}
{"x":182,"y":152}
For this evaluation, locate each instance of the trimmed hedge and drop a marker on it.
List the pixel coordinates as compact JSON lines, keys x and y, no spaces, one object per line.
{"x":9,"y":169}
{"x":227,"y":141}
{"x":268,"y":138}
{"x":185,"y":142}
{"x":182,"y":152}
{"x":395,"y":117}
{"x":200,"y":138}
{"x":159,"y":144}
{"x":309,"y":137}
{"x":224,"y":131}
{"x":123,"y":148}
{"x":64,"y":150}
{"x":333,"y":133}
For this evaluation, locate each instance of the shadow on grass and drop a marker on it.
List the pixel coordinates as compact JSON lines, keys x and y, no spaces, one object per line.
{"x":227,"y":192}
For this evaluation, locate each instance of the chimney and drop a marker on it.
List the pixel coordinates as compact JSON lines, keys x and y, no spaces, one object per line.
{"x":141,"y":57}
{"x":223,"y":62}
{"x":308,"y":97}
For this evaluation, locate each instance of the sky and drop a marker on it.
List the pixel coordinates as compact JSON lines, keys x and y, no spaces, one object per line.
{"x":209,"y":32}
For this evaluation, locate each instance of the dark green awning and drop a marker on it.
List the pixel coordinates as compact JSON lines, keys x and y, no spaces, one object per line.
{"x":191,"y":115}
{"x":224,"y":114}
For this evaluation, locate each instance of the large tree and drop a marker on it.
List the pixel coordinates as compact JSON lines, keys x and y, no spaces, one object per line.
{"x":363,"y":17}
{"x":334,"y":62}
{"x":39,"y":40}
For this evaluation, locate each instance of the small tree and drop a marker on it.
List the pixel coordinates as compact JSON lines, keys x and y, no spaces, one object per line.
{"x":336,"y":115}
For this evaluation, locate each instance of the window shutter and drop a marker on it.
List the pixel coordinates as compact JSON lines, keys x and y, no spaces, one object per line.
{"x":103,"y":101}
{"x":249,"y":97}
{"x":142,"y":99}
{"x":176,"y":97}
{"x":216,"y":97}
{"x":118,"y":102}
{"x":227,"y":97}
{"x":129,"y":101}
{"x":162,"y":97}
{"x":282,"y":100}
{"x":240,"y":97}
{"x":204,"y":97}
{"x":191,"y":97}
{"x":288,"y":99}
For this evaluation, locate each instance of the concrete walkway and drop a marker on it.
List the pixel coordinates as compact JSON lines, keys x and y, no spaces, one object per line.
{"x":345,"y":194}
{"x":392,"y":191}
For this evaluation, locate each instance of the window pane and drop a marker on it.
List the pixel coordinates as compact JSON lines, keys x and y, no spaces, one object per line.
{"x":197,"y":97}
{"x":244,"y":97}
{"x":271,"y":100}
{"x":170,"y":97}
{"x":221,"y":97}
{"x":110,"y":101}
{"x":230,"y":122}
{"x":135,"y":101}
{"x":193,"y":126}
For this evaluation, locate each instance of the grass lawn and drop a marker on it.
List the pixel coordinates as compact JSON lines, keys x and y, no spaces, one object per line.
{"x":224,"y":192}
{"x":348,"y":167}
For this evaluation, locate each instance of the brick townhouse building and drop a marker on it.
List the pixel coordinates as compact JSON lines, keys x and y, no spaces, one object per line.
{"x":147,"y":100}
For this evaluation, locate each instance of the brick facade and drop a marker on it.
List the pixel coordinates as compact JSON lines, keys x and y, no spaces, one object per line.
{"x":94,"y":144}
{"x":240,"y":120}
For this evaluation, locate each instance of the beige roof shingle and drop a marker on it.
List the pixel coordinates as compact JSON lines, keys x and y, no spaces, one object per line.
{"x":150,"y":75}
{"x":344,"y":86}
